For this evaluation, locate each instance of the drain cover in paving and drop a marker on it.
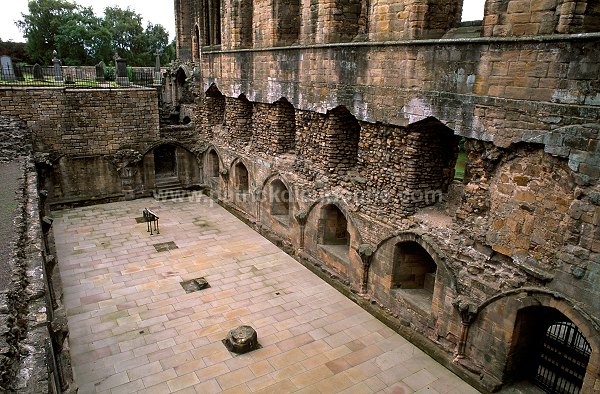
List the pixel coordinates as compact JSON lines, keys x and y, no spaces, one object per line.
{"x":165,"y":246}
{"x":193,"y":285}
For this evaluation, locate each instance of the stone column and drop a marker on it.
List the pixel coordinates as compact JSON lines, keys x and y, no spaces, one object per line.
{"x":365,"y":251}
{"x":302,"y":218}
{"x":467,"y":310}
{"x":225,"y":175}
{"x":58,"y":73}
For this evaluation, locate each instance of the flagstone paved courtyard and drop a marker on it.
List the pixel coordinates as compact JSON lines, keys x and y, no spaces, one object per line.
{"x":133,"y":328}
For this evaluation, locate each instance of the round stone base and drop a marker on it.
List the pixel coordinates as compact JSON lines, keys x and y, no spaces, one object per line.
{"x":241,"y":340}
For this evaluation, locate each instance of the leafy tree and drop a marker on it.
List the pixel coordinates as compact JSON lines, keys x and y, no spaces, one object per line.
{"x":80,"y":37}
{"x":42,"y":26}
{"x":127,"y":33}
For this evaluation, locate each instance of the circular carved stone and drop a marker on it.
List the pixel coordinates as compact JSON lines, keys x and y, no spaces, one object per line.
{"x":241,"y":340}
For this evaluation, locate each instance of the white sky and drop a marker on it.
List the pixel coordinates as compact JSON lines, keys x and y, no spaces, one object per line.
{"x":157,"y":12}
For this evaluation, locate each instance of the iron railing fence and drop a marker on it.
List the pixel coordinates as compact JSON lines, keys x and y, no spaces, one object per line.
{"x":78,"y":77}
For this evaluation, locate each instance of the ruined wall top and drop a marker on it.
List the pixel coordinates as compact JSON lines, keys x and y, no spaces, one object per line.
{"x":228,"y":24}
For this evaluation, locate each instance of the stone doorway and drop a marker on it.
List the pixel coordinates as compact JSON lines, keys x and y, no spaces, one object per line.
{"x":548,"y":351}
{"x":165,"y":161}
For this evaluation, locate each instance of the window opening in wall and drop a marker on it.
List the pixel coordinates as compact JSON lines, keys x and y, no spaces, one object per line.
{"x":280,"y":201}
{"x":413,"y":275}
{"x":461,"y":162}
{"x":198,"y":43}
{"x":207,"y":27}
{"x":241,"y":178}
{"x":473,"y":10}
{"x":213,"y":164}
{"x":334,"y":235}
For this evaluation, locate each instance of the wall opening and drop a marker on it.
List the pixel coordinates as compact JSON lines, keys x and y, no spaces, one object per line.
{"x":242,"y":19}
{"x":212,"y":164}
{"x":413,"y":274}
{"x":212,"y":22}
{"x":279,"y":199}
{"x":197,"y":43}
{"x":241,"y":183}
{"x":461,"y":162}
{"x":591,"y":18}
{"x":287,"y":21}
{"x":334,"y":237}
{"x":165,"y":162}
{"x":472,"y":10}
{"x":548,"y":351}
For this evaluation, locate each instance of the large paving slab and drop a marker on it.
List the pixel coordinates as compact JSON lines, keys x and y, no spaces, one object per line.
{"x":133,"y":328}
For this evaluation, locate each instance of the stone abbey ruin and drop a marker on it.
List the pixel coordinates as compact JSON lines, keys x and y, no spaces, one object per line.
{"x":334,"y":129}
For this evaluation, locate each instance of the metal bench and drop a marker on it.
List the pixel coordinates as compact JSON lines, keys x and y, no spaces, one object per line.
{"x":151,"y":219}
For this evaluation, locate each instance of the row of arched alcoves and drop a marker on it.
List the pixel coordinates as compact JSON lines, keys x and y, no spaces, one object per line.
{"x":530,"y":334}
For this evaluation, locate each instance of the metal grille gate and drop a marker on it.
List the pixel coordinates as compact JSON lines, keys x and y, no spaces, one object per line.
{"x":563,"y":360}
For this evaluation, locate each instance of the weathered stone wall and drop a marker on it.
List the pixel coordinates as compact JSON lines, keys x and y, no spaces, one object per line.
{"x":80,"y":135}
{"x":523,"y":219}
{"x":84,"y":121}
{"x":34,"y":355}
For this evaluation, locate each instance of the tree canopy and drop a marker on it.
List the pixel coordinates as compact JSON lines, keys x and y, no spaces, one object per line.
{"x":82,"y":38}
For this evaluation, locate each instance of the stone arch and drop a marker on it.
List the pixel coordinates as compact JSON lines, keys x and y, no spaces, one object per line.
{"x":429,"y":245}
{"x":343,"y":207}
{"x":388,"y":283}
{"x":503,"y":321}
{"x":277,"y":201}
{"x":212,"y":163}
{"x":181,"y":165}
{"x":339,"y":259}
{"x":181,"y":76}
{"x":240,"y":176}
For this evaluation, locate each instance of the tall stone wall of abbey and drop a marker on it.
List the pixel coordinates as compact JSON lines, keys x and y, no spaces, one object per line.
{"x":337,"y":133}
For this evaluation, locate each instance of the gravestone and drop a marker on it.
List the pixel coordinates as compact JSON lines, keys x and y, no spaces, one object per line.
{"x":58,"y":73}
{"x":8,"y":71}
{"x":157,"y":73}
{"x":100,"y":72}
{"x":121,"y":70}
{"x":38,"y":73}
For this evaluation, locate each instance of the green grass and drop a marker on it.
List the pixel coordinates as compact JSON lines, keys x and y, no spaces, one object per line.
{"x":459,"y":169}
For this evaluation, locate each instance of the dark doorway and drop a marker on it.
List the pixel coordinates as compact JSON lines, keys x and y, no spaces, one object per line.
{"x":212,"y":164}
{"x":548,"y":350}
{"x":165,"y":163}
